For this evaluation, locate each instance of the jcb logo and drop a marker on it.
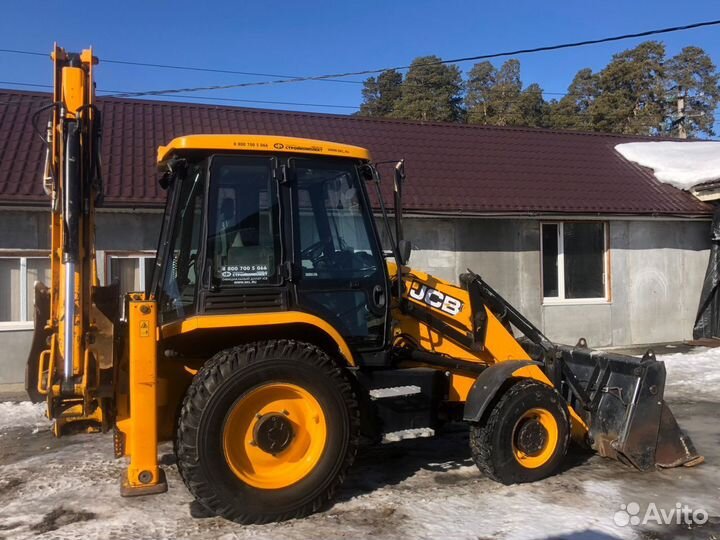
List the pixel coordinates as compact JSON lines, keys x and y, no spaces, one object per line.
{"x":434,"y":298}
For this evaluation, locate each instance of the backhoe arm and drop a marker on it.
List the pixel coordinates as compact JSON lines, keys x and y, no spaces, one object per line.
{"x":74,"y":317}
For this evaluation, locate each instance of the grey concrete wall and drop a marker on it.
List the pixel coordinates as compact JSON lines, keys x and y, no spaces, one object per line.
{"x":122,"y":231}
{"x":15,"y":346}
{"x":503,"y":251}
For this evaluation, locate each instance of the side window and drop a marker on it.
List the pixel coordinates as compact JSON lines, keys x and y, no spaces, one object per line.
{"x":334,"y":233}
{"x":181,"y":273}
{"x":18,"y":275}
{"x":243,"y":241}
{"x":574,"y":262}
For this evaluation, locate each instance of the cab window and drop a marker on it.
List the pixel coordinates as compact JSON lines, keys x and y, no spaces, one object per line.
{"x":335,"y":240}
{"x":243,"y":239}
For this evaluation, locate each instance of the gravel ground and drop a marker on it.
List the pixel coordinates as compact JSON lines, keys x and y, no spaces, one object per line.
{"x":426,"y":488}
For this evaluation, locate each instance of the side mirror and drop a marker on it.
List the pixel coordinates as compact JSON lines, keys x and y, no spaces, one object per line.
{"x":405,"y":249}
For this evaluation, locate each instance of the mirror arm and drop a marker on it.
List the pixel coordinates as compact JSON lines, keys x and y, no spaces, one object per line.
{"x":398,"y":185}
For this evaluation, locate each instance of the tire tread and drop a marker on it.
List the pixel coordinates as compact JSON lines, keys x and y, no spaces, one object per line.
{"x":219,"y":368}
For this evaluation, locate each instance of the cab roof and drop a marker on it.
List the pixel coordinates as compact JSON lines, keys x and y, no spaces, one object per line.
{"x":260,"y":143}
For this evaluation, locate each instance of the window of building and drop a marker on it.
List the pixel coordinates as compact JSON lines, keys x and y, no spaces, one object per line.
{"x":18,"y":274}
{"x":574,"y":261}
{"x":132,"y":270}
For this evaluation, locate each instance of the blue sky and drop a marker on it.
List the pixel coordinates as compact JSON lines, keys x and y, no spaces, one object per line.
{"x":317,"y":37}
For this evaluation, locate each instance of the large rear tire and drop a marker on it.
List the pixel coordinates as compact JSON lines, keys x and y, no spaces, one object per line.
{"x":524,"y":437}
{"x":267,"y":431}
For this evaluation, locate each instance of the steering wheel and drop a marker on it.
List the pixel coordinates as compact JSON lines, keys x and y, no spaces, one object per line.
{"x":313,"y":251}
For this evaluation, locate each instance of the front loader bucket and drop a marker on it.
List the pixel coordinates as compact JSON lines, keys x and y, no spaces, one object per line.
{"x":621,"y":399}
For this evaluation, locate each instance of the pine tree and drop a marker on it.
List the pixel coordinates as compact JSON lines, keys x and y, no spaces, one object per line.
{"x":631,"y":92}
{"x":573,"y":110}
{"x":530,"y":108}
{"x":495,"y":97}
{"x":692,"y":76}
{"x":505,"y":93}
{"x":380,"y":95}
{"x":430,"y":92}
{"x":481,"y":81}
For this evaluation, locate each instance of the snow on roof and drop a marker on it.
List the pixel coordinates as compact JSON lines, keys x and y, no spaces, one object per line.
{"x":681,"y":164}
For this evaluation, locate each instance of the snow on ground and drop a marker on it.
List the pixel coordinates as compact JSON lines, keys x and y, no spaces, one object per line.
{"x":424,"y":488}
{"x":681,"y":164}
{"x":694,"y":375}
{"x":22,"y":414}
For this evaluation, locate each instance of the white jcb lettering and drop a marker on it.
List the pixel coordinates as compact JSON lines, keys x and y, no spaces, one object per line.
{"x":451,"y":305}
{"x":418,"y":293}
{"x":434,"y":298}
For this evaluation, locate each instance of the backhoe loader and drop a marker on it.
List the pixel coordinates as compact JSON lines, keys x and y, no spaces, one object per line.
{"x":276,"y":332}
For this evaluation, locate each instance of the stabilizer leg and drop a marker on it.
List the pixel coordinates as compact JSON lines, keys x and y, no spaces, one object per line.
{"x":143,"y":475}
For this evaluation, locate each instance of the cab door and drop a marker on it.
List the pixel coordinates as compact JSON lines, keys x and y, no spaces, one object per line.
{"x":342,"y":276}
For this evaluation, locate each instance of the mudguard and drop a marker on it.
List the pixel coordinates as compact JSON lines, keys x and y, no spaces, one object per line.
{"x":487,"y":384}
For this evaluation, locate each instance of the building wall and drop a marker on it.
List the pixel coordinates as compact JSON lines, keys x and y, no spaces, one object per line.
{"x":656,"y":271}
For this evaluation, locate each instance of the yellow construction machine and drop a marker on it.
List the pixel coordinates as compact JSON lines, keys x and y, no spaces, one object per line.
{"x":276,"y":331}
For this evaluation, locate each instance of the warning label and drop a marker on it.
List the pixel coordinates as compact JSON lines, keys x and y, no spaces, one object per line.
{"x":144,"y":329}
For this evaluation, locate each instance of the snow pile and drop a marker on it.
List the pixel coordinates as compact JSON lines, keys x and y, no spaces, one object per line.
{"x":681,"y":164}
{"x":694,"y":375}
{"x":22,"y":414}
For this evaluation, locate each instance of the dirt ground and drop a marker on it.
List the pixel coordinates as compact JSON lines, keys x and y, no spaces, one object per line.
{"x":426,"y":488}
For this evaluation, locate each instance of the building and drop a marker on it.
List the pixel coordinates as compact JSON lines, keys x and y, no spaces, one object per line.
{"x":581,"y":241}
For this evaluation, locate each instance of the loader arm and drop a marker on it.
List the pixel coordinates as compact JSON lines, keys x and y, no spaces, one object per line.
{"x":615,"y":401}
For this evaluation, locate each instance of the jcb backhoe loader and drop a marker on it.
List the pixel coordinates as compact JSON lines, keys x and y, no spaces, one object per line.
{"x":276,"y":332}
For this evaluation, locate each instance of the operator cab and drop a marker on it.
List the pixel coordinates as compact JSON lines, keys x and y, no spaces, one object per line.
{"x":257,"y":224}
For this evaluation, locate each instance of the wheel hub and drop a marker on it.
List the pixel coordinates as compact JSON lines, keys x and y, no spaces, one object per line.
{"x":531,"y":437}
{"x":273,"y":433}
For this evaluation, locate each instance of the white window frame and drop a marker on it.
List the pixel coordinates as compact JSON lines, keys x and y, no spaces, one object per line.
{"x":109,"y":255}
{"x":26,"y":319}
{"x":560,"y":298}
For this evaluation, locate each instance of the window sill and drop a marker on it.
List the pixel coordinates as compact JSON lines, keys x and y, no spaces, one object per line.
{"x":575,"y":302}
{"x":8,"y":326}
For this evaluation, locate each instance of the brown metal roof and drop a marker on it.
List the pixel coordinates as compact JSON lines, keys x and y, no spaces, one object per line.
{"x":451,"y":167}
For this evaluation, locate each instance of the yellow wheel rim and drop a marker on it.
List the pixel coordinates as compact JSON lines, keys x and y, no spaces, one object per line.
{"x":274,"y":435}
{"x":535,"y":438}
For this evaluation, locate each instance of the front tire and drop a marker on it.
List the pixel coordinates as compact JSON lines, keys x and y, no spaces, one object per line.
{"x":524,"y":437}
{"x":267,"y":431}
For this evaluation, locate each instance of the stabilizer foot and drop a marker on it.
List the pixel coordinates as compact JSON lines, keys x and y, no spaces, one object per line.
{"x":127,"y":490}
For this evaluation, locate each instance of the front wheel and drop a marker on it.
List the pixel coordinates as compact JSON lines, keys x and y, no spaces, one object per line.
{"x":267,"y":431}
{"x":524,"y":437}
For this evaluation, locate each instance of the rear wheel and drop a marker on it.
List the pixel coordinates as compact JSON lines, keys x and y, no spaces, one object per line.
{"x":267,"y":431}
{"x":524,"y":437}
